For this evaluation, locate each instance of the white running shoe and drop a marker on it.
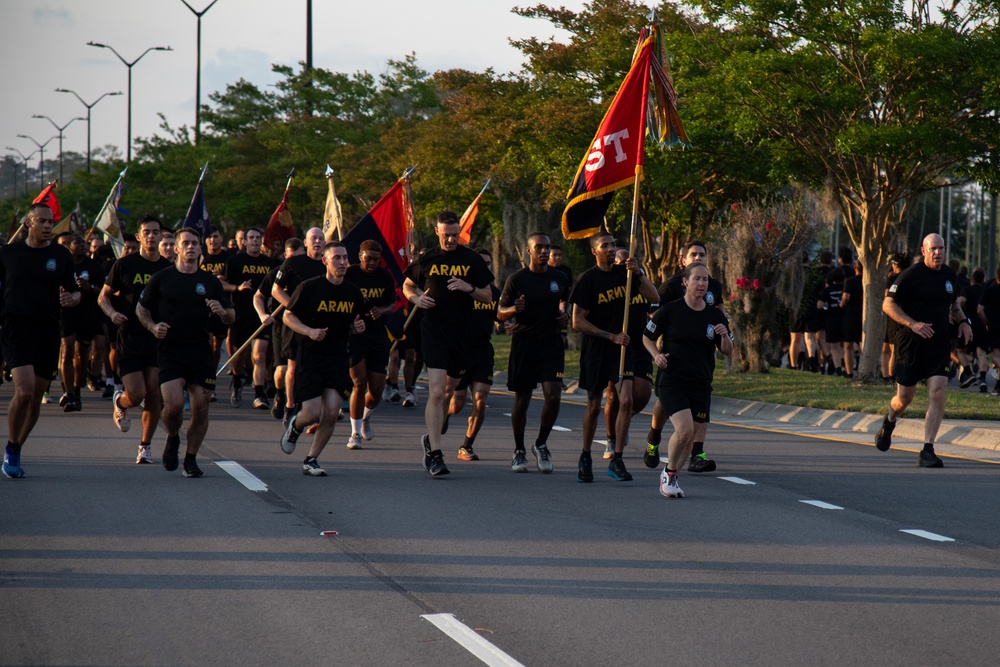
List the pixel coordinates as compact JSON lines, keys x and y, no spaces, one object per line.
{"x":669,"y":488}
{"x":354,"y":442}
{"x":367,"y":432}
{"x":409,"y":400}
{"x":394,"y":395}
{"x":387,"y":393}
{"x":144,"y":456}
{"x":311,"y":467}
{"x":120,"y":415}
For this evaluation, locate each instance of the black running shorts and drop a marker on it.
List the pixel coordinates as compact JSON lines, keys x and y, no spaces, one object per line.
{"x":31,"y":343}
{"x":315,"y":373}
{"x":918,"y":359}
{"x":481,"y":370}
{"x":534,"y":360}
{"x":674,"y":400}
{"x":136,"y":352}
{"x":373,"y":350}
{"x":193,"y":365}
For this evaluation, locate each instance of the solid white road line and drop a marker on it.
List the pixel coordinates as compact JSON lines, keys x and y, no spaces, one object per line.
{"x":927,"y":536}
{"x":471,"y":641}
{"x":739,"y":480}
{"x":561,"y":429}
{"x":242,"y":475}
{"x":820,"y":504}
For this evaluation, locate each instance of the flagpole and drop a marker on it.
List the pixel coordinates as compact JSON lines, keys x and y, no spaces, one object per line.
{"x":249,"y":340}
{"x":329,"y":177}
{"x":631,"y":253}
{"x":108,"y":201}
{"x":191,"y":205}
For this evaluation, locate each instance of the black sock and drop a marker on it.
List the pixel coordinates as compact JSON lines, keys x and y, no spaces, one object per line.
{"x":173,"y":439}
{"x":519,"y":441}
{"x":395,"y":385}
{"x":13,"y":447}
{"x":928,"y":446}
{"x":655,"y":436}
{"x":258,"y":391}
{"x":188,"y":457}
{"x":468,"y":441}
{"x":697,"y":448}
{"x":143,"y":444}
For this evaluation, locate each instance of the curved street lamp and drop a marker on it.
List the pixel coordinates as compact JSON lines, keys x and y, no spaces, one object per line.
{"x":41,"y":159}
{"x":25,"y":158}
{"x":60,"y":135}
{"x":197,"y":84}
{"x":89,"y":107}
{"x":129,"y":65}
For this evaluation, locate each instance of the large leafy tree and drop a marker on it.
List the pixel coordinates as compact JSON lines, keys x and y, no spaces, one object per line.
{"x":873,"y":100}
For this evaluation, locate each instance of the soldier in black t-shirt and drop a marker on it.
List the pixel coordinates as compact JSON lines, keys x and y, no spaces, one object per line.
{"x":444,"y":282}
{"x":292,"y":272}
{"x":370,"y":349}
{"x":691,"y":331}
{"x":323,"y":312}
{"x":214,"y":261}
{"x":81,"y":322}
{"x":888,"y":360}
{"x":694,"y":251}
{"x":270,"y":339}
{"x":176,"y":307}
{"x":37,"y":282}
{"x":136,"y":349}
{"x":599,"y":302}
{"x":245,"y":273}
{"x":535,"y":298}
{"x":923,"y":301}
{"x":479,"y":376}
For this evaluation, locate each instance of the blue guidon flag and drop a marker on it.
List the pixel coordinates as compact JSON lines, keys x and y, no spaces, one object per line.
{"x":197,"y":215}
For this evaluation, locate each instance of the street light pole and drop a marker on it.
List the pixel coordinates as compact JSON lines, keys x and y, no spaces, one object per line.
{"x":41,"y":159}
{"x":89,"y":107}
{"x":197,"y":84}
{"x":129,"y":65}
{"x":25,"y":158}
{"x":60,"y":135}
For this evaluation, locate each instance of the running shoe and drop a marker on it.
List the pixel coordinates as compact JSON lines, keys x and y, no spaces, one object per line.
{"x":236,"y":391}
{"x":387,"y":393}
{"x":669,"y":488}
{"x":120,"y":415}
{"x":609,"y":448}
{"x":883,"y":439}
{"x":967,"y":378}
{"x":617,"y":471}
{"x":260,"y":403}
{"x":311,"y":467}
{"x":437,"y":466}
{"x":409,"y":400}
{"x":466,"y":453}
{"x":354,"y":442}
{"x":700,"y":463}
{"x":191,"y":468}
{"x":278,"y":407}
{"x":47,"y":400}
{"x":983,"y":389}
{"x":652,"y":456}
{"x":109,"y":391}
{"x":73,"y":404}
{"x":543,"y":459}
{"x":394,"y":396}
{"x":928,"y":459}
{"x":64,"y":399}
{"x":367,"y":432}
{"x":425,"y":442}
{"x":170,"y":449}
{"x":290,"y":437}
{"x":143,"y":455}
{"x":94,"y":383}
{"x":12,"y":464}
{"x":585,"y":468}
{"x":519,"y":462}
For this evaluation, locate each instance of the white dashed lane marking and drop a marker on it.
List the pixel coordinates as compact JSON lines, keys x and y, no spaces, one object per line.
{"x":242,"y":475}
{"x":471,"y":641}
{"x":739,"y":480}
{"x":820,"y":504}
{"x":926,"y":535}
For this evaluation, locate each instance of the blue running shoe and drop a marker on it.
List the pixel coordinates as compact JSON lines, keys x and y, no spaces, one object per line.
{"x":617,"y":471}
{"x":12,"y":464}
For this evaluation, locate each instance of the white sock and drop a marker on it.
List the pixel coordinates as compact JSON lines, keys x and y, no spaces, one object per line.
{"x":368,"y":413}
{"x":355,"y":426}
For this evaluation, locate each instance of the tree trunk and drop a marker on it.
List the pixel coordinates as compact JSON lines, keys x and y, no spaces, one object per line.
{"x":873,"y":280}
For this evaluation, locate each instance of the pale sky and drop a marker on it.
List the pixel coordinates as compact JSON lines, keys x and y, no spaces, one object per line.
{"x":43,"y":45}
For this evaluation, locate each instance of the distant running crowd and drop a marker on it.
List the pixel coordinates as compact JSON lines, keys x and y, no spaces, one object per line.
{"x":316,"y":328}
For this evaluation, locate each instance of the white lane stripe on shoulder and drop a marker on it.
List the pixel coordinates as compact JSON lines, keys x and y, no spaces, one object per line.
{"x":471,"y":641}
{"x":820,"y":504}
{"x":926,"y":535}
{"x":242,"y":475}
{"x":561,"y":429}
{"x":739,"y":480}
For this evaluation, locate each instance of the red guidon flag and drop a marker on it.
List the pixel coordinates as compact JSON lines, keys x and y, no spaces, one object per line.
{"x":279,"y":228}
{"x":48,"y":197}
{"x":615,"y":157}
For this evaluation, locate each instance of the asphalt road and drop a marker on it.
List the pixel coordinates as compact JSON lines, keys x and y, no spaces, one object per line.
{"x":104,"y":562}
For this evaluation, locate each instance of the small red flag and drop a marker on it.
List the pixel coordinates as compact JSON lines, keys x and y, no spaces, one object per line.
{"x":468,"y":219}
{"x":48,"y":197}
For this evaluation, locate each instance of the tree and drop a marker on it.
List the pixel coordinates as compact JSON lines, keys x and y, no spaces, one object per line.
{"x":872,"y":100}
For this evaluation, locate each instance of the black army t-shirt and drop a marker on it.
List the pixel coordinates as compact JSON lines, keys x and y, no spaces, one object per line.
{"x":32,"y":278}
{"x":689,"y":338}
{"x":379,"y":290}
{"x":602,"y":295}
{"x":215,"y":264}
{"x":673,"y":289}
{"x":240,"y":268}
{"x":543,"y":293}
{"x":297,"y":269}
{"x":320,"y":304}
{"x":432,"y":271}
{"x":128,"y":276}
{"x":926,"y":295}
{"x":179,"y":300}
{"x":484,"y":317}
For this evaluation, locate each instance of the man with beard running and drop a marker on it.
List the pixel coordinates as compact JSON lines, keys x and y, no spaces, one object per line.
{"x":184,"y":297}
{"x":136,"y":350}
{"x":535,"y":297}
{"x":445,"y":281}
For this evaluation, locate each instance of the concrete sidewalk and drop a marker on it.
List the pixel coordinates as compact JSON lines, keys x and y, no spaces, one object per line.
{"x":979,"y":439}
